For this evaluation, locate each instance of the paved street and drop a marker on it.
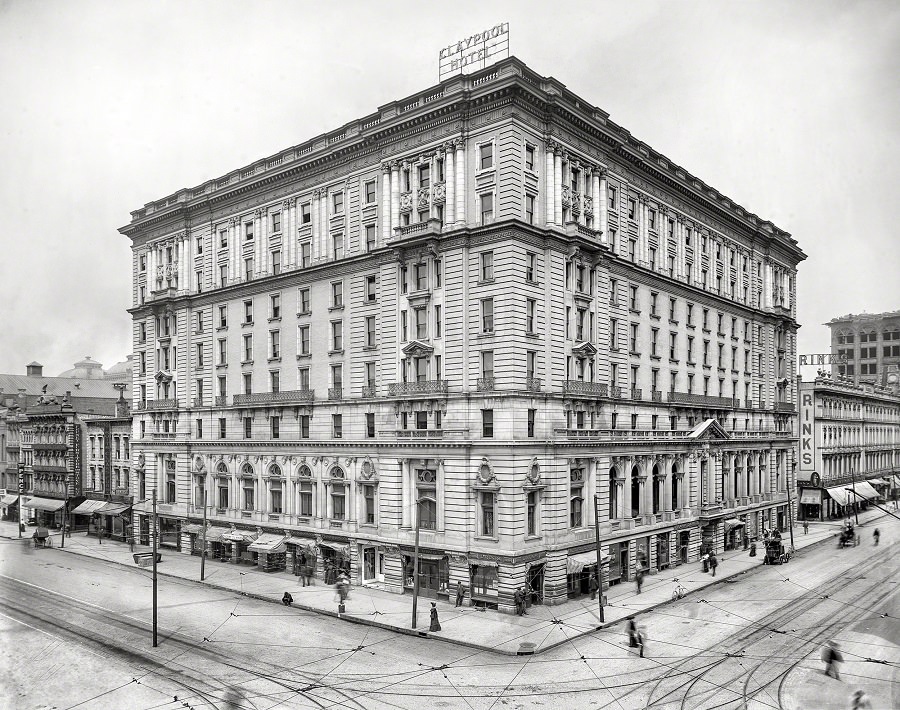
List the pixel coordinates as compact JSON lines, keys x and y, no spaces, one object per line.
{"x":80,"y":627}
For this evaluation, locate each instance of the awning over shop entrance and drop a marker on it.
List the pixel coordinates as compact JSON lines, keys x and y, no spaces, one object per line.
{"x":114,"y":508}
{"x":877,"y":482}
{"x":337,"y":547}
{"x":301,"y":541}
{"x":192,"y":529}
{"x":48,"y":504}
{"x":8,"y":499}
{"x":239,"y":536}
{"x":810,"y":496}
{"x":576,"y":563}
{"x":269,"y":544}
{"x":732,"y":523}
{"x":89,"y":507}
{"x":214,"y":534}
{"x":839,"y":494}
{"x":865,"y":490}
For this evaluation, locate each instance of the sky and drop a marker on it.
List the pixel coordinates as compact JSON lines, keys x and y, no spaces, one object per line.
{"x":788,"y":108}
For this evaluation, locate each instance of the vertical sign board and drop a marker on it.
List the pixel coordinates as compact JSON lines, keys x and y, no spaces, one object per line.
{"x":474,"y":52}
{"x":807,"y":434}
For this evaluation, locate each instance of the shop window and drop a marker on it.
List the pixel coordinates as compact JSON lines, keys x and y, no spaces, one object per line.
{"x":484,"y":580}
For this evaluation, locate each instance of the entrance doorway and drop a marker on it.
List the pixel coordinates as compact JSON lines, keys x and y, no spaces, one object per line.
{"x":684,"y":541}
{"x":373,"y":565}
{"x":145,"y":530}
{"x":534,"y":581}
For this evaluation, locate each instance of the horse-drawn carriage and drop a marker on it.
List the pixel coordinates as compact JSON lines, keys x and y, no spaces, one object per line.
{"x":776,"y":554}
{"x":41,"y":538}
{"x":848,"y":537}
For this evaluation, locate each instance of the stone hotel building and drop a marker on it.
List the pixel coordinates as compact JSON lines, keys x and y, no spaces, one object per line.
{"x":485,"y":308}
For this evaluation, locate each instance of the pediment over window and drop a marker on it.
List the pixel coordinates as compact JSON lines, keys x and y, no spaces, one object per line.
{"x":584,"y":349}
{"x":709,"y":429}
{"x":417,"y":348}
{"x":162,"y":376}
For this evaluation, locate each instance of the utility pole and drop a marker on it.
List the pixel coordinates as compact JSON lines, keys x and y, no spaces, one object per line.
{"x":155,"y":530}
{"x":65,"y":507}
{"x":203,"y":548}
{"x":855,"y":506}
{"x":416,"y":569}
{"x":130,"y":523}
{"x":791,"y":506}
{"x":599,"y":554}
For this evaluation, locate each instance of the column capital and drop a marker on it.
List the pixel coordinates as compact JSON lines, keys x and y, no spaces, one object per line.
{"x":287,"y":204}
{"x":386,"y":166}
{"x":602,"y":172}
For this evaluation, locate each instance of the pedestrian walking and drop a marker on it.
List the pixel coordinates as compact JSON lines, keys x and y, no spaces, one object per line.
{"x":435,"y":624}
{"x":460,"y":593}
{"x":805,"y":527}
{"x":876,"y":534}
{"x":639,"y":579}
{"x":713,"y":563}
{"x":524,"y":590}
{"x":639,"y":640}
{"x":831,"y":656}
{"x":631,"y":628}
{"x":860,"y":701}
{"x":594,"y":586}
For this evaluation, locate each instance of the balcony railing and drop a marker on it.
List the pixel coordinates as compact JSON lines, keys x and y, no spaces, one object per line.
{"x":701,"y":400}
{"x":486,"y":384}
{"x":221,"y":401}
{"x":282,"y":397}
{"x":161,"y":404}
{"x":637,"y":393}
{"x":785,"y":407}
{"x":335,"y":392}
{"x":420,"y":433}
{"x":425,"y":387}
{"x":370,"y":390}
{"x":581,"y":387}
{"x":198,"y":401}
{"x":656,"y":395}
{"x":615,"y":392}
{"x":533,"y":384}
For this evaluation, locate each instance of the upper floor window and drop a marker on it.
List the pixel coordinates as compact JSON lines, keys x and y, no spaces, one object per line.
{"x":486,"y":156}
{"x":487,"y":208}
{"x":248,"y":231}
{"x":487,"y":265}
{"x":337,"y":203}
{"x":425,"y":175}
{"x":305,"y":213}
{"x":529,"y":157}
{"x":276,"y":221}
{"x":632,"y":208}
{"x":370,"y":192}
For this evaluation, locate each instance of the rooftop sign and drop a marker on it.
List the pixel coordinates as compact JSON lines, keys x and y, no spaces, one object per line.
{"x":474,"y":52}
{"x":822,"y":359}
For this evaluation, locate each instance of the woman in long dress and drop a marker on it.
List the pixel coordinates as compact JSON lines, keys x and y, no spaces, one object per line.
{"x":435,"y":624}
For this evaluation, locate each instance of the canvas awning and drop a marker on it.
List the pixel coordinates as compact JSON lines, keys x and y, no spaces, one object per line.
{"x":732,"y":523}
{"x":302,"y":541}
{"x":89,"y":507}
{"x":269,"y":544}
{"x":865,"y":490}
{"x":877,"y":482}
{"x":48,"y":504}
{"x":192,"y":529}
{"x":239,"y":536}
{"x":337,"y":547}
{"x":839,"y":494}
{"x":810,"y":496}
{"x":9,"y":499}
{"x":114,"y":508}
{"x":576,"y":563}
{"x":214,"y":534}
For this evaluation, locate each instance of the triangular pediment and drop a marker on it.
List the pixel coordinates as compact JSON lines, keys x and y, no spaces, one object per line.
{"x":417,"y":348}
{"x":584,"y":349}
{"x":709,"y":429}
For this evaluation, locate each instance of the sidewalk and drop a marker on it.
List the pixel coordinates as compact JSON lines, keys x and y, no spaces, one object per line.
{"x":543,"y":628}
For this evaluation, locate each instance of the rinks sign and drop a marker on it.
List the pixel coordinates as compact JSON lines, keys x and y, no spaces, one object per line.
{"x":473,"y":52}
{"x":822,"y":359}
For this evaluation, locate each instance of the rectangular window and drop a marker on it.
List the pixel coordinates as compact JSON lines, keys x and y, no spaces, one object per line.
{"x":305,"y":213}
{"x":420,"y":276}
{"x":248,"y":382}
{"x":529,"y":208}
{"x":487,"y":208}
{"x":276,"y":221}
{"x":437,"y":273}
{"x":633,"y":302}
{"x":248,"y":347}
{"x":276,"y":262}
{"x":303,"y":340}
{"x":248,"y":311}
{"x":337,"y":203}
{"x":200,"y":355}
{"x":425,"y":175}
{"x":370,"y":425}
{"x":199,"y":428}
{"x":529,"y":157}
{"x":305,"y":490}
{"x":487,"y":423}
{"x":370,"y":192}
{"x":274,"y":381}
{"x":223,"y":351}
{"x":275,"y":423}
{"x":632,"y":208}
{"x":486,"y":503}
{"x":487,"y":265}
{"x":370,"y":237}
{"x":223,"y":316}
{"x":530,"y":315}
{"x":337,"y":246}
{"x":438,"y":324}
{"x":275,"y":305}
{"x":337,"y":335}
{"x":370,"y":331}
{"x":337,"y":426}
{"x":486,"y":156}
{"x":487,"y":364}
{"x":487,"y":315}
{"x":421,"y":316}
{"x":530,"y":267}
{"x":303,"y":378}
{"x":248,"y":231}
{"x":248,"y":268}
{"x":532,"y":415}
{"x":248,"y":428}
{"x":337,"y":294}
{"x":305,"y":254}
{"x":222,"y":427}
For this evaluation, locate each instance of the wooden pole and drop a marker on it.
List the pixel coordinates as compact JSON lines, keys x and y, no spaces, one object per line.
{"x":203,"y":548}
{"x":155,"y":532}
{"x":599,"y":554}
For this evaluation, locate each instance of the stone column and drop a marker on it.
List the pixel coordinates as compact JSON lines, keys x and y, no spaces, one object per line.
{"x":395,"y":195}
{"x":449,"y":184}
{"x":384,"y":209}
{"x":557,"y":188}
{"x":289,"y":233}
{"x":626,"y":489}
{"x":550,"y":185}
{"x":599,"y":211}
{"x":584,"y":187}
{"x":315,"y":224}
{"x":407,"y":494}
{"x":461,"y":196}
{"x":325,"y":231}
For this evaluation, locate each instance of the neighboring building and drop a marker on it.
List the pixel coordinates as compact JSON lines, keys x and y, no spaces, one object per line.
{"x":44,"y":432}
{"x":849,"y":438}
{"x":487,"y":303}
{"x":871,"y":344}
{"x":107,"y":482}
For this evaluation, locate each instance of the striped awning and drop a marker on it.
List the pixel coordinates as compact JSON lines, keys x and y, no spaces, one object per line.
{"x":9,"y":499}
{"x":576,"y":563}
{"x":839,"y":494}
{"x":114,"y":508}
{"x":48,"y":504}
{"x":268,"y":543}
{"x":865,"y":490}
{"x":239,"y":536}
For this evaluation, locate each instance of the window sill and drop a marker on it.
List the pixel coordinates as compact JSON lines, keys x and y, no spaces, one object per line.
{"x":340,"y":351}
{"x":655,"y":357}
{"x":304,"y":313}
{"x":335,"y":308}
{"x":221,"y":328}
{"x":247,"y":323}
{"x":634,"y":310}
{"x":370,"y":348}
{"x":531,"y":538}
{"x":221,"y":365}
{"x":275,"y":319}
{"x":674,"y":361}
{"x":274,"y":359}
{"x":370,"y":302}
{"x":304,"y":356}
{"x":613,"y":349}
{"x":673,"y":321}
{"x":246,"y":362}
{"x":691,"y":326}
{"x":487,"y":538}
{"x":654,"y":316}
{"x":484,"y":282}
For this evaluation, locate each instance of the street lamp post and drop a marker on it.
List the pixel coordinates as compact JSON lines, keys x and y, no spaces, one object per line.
{"x":416,"y":568}
{"x":855,"y":506}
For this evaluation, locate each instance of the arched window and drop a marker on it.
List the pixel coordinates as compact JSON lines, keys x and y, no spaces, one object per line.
{"x":635,"y":492}
{"x":658,"y":481}
{"x":614,"y":493}
{"x":275,"y":470}
{"x":676,"y":488}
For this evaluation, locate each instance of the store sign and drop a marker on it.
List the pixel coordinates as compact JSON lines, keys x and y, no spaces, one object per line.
{"x":822,"y":359}
{"x":807,"y":440}
{"x":474,"y":52}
